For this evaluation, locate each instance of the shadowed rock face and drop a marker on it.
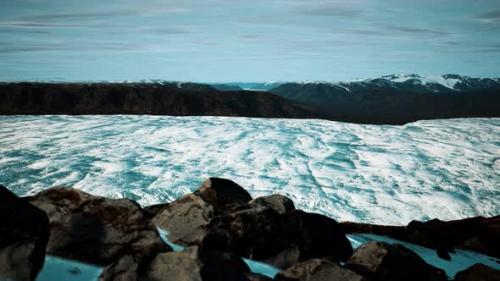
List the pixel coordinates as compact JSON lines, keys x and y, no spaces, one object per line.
{"x":263,"y":234}
{"x":188,"y":265}
{"x":478,"y":234}
{"x":318,"y":270}
{"x":94,"y":229}
{"x":183,"y":217}
{"x":383,"y":262}
{"x":478,"y":272}
{"x":24,"y":232}
{"x":221,"y":216}
{"x":137,"y":98}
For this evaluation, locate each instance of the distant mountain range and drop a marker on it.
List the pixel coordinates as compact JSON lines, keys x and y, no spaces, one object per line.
{"x":391,"y":99}
{"x":395,"y":99}
{"x":398,"y":99}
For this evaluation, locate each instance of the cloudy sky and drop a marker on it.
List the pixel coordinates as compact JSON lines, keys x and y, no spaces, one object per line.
{"x":240,"y":40}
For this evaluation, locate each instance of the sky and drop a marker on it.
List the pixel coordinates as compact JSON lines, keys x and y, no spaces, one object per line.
{"x":241,"y":40}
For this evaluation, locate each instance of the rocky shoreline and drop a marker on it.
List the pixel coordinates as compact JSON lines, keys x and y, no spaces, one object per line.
{"x":218,"y":225}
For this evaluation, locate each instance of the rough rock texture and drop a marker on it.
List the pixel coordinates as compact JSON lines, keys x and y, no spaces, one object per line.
{"x":188,"y":265}
{"x":24,"y":233}
{"x":223,"y":194}
{"x":318,"y":270}
{"x":478,"y":272}
{"x":95,"y":229}
{"x":384,"y":262}
{"x":183,"y":216}
{"x":477,"y":234}
{"x":277,"y":202}
{"x":280,"y":239}
{"x":221,"y":216}
{"x":186,"y":99}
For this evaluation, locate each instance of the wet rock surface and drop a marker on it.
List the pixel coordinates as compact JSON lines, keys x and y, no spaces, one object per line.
{"x":24,"y":233}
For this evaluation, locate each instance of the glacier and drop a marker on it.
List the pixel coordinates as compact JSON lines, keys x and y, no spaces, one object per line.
{"x":447,"y":169}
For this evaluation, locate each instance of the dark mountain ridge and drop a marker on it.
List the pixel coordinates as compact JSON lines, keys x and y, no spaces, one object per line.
{"x":390,"y":99}
{"x":178,"y":99}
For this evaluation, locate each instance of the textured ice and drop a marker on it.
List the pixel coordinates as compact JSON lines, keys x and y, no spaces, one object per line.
{"x":447,"y":169}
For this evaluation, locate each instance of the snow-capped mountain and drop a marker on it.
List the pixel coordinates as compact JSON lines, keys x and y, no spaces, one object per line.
{"x":398,"y":98}
{"x":436,"y":83}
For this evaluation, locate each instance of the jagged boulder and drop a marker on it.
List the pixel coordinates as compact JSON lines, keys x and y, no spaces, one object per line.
{"x":24,"y":233}
{"x":263,"y":234}
{"x":478,"y":272}
{"x":188,"y":265}
{"x":94,"y":229}
{"x":277,"y":202}
{"x":392,"y":262}
{"x":223,"y":194}
{"x":318,"y":270}
{"x":183,"y":216}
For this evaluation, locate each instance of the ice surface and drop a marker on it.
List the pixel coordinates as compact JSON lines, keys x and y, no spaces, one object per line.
{"x":448,"y":169}
{"x":59,"y":269}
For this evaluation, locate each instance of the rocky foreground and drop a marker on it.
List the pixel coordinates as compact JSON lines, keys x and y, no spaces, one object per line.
{"x":218,"y":224}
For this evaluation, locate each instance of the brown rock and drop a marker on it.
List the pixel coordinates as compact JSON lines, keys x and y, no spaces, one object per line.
{"x":279,"y":239}
{"x":392,"y":262}
{"x":182,"y":217}
{"x":277,"y":202}
{"x":94,"y":229}
{"x":318,"y":270}
{"x":188,"y":265}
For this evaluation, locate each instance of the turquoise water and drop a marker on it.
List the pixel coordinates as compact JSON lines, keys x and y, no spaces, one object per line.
{"x":448,"y":169}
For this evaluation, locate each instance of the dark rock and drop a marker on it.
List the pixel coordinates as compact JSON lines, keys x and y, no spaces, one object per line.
{"x":223,"y":194}
{"x":279,"y":239}
{"x":180,"y":266}
{"x":277,"y":202}
{"x":182,"y":217}
{"x":257,"y":277}
{"x":477,"y":234}
{"x":94,"y":229}
{"x":24,"y":233}
{"x":443,"y":254}
{"x":478,"y":272}
{"x":318,"y":270}
{"x":152,"y":210}
{"x":392,"y":262}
